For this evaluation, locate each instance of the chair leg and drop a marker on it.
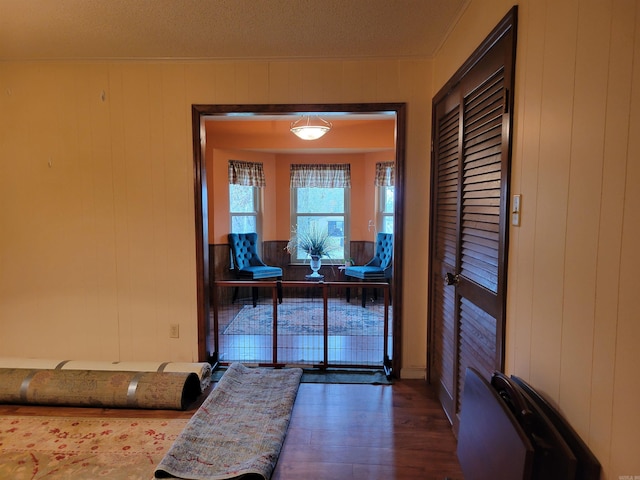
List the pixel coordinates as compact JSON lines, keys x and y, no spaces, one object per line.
{"x":279,"y":288}
{"x":254,"y":292}
{"x":364,"y":297}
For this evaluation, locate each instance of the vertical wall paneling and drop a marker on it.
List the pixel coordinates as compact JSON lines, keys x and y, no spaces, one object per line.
{"x":178,"y":175}
{"x":278,"y":83}
{"x":615,"y":156}
{"x":626,"y":420}
{"x":583,"y":206}
{"x":525,"y":173}
{"x":94,"y":122}
{"x":553,"y":183}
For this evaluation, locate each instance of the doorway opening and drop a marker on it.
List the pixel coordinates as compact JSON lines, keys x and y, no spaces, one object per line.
{"x":266,"y":115}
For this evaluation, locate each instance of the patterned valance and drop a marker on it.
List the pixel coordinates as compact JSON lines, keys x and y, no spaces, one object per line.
{"x":336,"y":175}
{"x":249,"y":174}
{"x":385,"y":174}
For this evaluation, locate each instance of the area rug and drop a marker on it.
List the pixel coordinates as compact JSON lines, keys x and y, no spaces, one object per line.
{"x":308,"y":319}
{"x":83,"y":448}
{"x":238,"y":430}
{"x":89,"y":388}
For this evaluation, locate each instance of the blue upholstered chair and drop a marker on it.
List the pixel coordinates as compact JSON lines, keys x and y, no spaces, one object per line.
{"x":379,"y":268}
{"x":248,"y":265}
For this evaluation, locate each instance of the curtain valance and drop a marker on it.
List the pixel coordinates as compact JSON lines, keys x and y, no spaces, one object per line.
{"x":249,"y":174}
{"x":385,"y":174}
{"x":336,"y":175}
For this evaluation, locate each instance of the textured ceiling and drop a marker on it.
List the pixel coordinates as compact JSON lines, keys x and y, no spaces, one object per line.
{"x":223,"y":29}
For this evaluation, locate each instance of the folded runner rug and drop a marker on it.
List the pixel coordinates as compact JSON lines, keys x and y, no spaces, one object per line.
{"x":72,"y":448}
{"x":307,"y":318}
{"x":239,"y":429}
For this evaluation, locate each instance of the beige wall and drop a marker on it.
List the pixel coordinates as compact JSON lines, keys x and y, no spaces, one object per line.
{"x":573,"y":327}
{"x":97,"y":250}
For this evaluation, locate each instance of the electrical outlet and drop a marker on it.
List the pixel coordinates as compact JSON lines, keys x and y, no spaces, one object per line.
{"x":174,"y":330}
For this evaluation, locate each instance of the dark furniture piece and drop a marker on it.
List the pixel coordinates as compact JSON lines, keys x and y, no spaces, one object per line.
{"x":587,"y":467}
{"x":491,"y":443}
{"x":248,"y":265}
{"x":508,"y":430}
{"x":552,"y":458}
{"x":380,"y":267}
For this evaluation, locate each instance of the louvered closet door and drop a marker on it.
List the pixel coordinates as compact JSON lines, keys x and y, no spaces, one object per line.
{"x":470,"y":178}
{"x":445,"y":250}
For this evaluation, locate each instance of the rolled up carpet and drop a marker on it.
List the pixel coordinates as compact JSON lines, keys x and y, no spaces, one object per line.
{"x":93,"y":388}
{"x":202,"y":369}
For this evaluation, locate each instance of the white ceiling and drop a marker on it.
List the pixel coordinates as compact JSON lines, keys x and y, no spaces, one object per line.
{"x":223,"y":29}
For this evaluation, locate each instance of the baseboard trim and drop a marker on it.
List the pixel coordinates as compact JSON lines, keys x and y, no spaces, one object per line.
{"x":413,"y":373}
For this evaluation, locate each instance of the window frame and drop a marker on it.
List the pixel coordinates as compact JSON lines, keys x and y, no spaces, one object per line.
{"x":381,"y":214}
{"x":256,"y":213}
{"x":294,"y":214}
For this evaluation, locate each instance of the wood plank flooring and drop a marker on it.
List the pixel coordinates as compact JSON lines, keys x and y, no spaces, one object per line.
{"x":368,"y":432}
{"x":342,"y":432}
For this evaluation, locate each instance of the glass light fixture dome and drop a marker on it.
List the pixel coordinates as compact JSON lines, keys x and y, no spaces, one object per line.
{"x":310,"y":127}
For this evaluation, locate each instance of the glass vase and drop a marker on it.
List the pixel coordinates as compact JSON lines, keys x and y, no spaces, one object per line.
{"x":315,"y":265}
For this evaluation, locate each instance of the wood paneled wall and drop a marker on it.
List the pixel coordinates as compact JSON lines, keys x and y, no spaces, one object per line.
{"x":97,"y":243}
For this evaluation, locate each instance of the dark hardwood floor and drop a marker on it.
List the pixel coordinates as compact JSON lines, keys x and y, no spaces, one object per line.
{"x":342,"y":432}
{"x":368,"y":432}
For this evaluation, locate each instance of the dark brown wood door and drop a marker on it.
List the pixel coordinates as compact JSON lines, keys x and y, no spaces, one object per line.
{"x":469,"y":226}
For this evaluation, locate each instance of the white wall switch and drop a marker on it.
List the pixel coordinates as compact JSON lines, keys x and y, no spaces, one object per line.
{"x":516,"y":206}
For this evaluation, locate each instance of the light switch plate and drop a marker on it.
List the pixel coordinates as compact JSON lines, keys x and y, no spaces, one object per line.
{"x":516,"y":206}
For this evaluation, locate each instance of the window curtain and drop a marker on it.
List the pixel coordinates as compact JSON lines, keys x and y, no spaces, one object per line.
{"x":385,"y":174}
{"x":249,"y":174}
{"x":336,"y":175}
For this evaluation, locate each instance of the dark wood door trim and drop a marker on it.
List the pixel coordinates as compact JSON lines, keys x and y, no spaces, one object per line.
{"x":199,"y":115}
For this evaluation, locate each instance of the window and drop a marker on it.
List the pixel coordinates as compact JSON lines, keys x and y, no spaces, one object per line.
{"x":320,"y":203}
{"x":244,"y":208}
{"x":385,"y":193}
{"x":385,"y":209}
{"x":245,"y":182}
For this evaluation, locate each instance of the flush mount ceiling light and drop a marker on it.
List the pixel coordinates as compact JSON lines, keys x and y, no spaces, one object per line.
{"x":310,"y":127}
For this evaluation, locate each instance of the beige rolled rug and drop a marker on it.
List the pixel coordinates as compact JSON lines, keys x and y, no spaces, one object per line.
{"x":202,"y":369}
{"x":94,"y":388}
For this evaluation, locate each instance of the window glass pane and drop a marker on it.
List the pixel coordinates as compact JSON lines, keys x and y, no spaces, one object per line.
{"x":241,"y":198}
{"x":320,"y":200}
{"x":243,"y":224}
{"x":387,"y":224}
{"x":387,"y":199}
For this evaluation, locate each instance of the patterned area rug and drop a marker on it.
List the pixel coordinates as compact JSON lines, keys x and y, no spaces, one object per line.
{"x":83,"y":448}
{"x":238,"y":430}
{"x":347,"y":319}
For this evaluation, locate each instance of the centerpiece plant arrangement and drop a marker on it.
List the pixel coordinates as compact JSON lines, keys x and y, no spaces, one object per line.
{"x":315,"y":242}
